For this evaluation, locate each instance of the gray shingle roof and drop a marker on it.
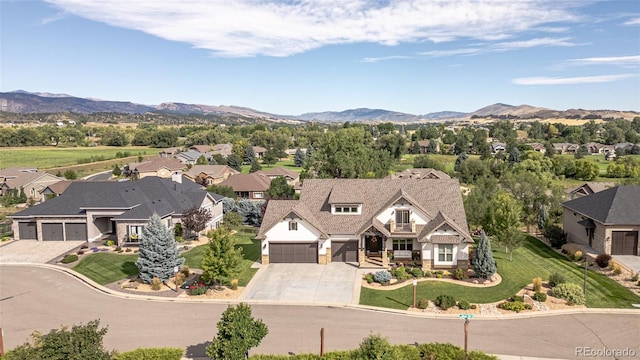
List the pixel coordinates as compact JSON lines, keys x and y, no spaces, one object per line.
{"x":618,"y":205}
{"x":142,"y":198}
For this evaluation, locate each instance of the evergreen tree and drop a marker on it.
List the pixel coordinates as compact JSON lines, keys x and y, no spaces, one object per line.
{"x":158,"y":254}
{"x":270,"y":157}
{"x":202,"y":160}
{"x":483,"y":263}
{"x":514,"y":155}
{"x":238,"y":332}
{"x":220,"y":258}
{"x":299,"y":158}
{"x":249,"y":154}
{"x":251,"y":211}
{"x":255,"y":166}
{"x":116,"y":170}
{"x":234,"y":161}
{"x":279,"y":189}
{"x":543,"y":218}
{"x":459,"y":160}
{"x":310,"y":151}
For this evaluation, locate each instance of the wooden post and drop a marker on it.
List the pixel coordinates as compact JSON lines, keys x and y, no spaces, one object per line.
{"x":466,"y":334}
{"x":322,"y":342}
{"x":415,"y":285}
{"x":1,"y":342}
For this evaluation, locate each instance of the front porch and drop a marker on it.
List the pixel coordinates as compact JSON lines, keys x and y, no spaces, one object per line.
{"x":376,"y":252}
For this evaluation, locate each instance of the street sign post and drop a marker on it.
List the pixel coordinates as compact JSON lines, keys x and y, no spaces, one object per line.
{"x":466,"y":318}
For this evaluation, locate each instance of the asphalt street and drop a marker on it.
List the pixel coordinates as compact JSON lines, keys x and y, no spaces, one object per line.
{"x":34,"y":298}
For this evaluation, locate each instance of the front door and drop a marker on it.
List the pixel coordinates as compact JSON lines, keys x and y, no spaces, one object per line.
{"x":373,"y":244}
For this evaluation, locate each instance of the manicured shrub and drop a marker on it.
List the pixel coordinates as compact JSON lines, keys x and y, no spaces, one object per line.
{"x":400,"y":273}
{"x":422,"y":303}
{"x":80,"y":252}
{"x":155,"y":283}
{"x":417,"y":272}
{"x":179,"y":279}
{"x":459,"y":274}
{"x":198,"y":289}
{"x":537,"y":284}
{"x":427,"y":274}
{"x":474,"y":306}
{"x":234,"y":284}
{"x":382,"y":276}
{"x":110,"y":243}
{"x":440,"y":351}
{"x":375,"y":347}
{"x":445,"y":301}
{"x":127,"y":250}
{"x":612,"y":264}
{"x":185,"y":270}
{"x":539,"y":296}
{"x":516,"y":306}
{"x":570,"y":292}
{"x":464,"y":305}
{"x":517,"y":298}
{"x":617,"y":269}
{"x":635,"y":277}
{"x":438,"y":276}
{"x":369,"y":278}
{"x":151,"y":353}
{"x":69,"y":259}
{"x":556,"y":279}
{"x":118,"y":249}
{"x":577,"y":256}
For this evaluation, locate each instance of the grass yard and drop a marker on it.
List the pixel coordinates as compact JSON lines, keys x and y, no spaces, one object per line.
{"x":250,"y":253}
{"x":534,"y":259}
{"x":287,"y":164}
{"x":105,"y":268}
{"x":45,"y":157}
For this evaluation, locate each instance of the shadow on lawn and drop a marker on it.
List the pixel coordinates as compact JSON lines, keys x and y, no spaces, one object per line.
{"x":130,"y":268}
{"x":398,"y":302}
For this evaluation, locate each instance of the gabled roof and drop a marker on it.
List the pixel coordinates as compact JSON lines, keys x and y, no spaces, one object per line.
{"x":247,"y":182}
{"x":59,"y":187}
{"x":440,"y":220}
{"x":190,"y":155}
{"x":16,"y":170}
{"x":591,"y":187}
{"x":421,"y":173}
{"x":140,"y":199}
{"x":201,"y":148}
{"x":278,"y":210}
{"x":259,"y":149}
{"x":25,"y":178}
{"x":401,"y":194}
{"x":280,"y":171}
{"x":614,"y":206}
{"x":214,"y":171}
{"x":157,"y":164}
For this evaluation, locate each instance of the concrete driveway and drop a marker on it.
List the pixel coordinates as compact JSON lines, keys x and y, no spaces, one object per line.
{"x":334,"y":283}
{"x":630,"y":261}
{"x":32,"y":251}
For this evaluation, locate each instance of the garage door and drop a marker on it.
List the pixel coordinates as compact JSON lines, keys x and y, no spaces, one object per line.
{"x":76,"y":231}
{"x":293,"y":252}
{"x":28,"y":231}
{"x":624,"y":243}
{"x":52,"y":232}
{"x":344,"y":251}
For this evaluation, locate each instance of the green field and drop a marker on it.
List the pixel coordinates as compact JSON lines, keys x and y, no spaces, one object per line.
{"x":534,"y":259}
{"x":287,"y":164}
{"x":50,"y":157}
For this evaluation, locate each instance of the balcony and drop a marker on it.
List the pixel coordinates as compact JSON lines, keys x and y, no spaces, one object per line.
{"x":402,"y":227}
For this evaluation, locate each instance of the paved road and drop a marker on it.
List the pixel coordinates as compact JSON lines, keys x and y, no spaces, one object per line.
{"x":39,"y":298}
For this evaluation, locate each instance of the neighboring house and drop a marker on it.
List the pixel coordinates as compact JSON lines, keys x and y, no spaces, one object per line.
{"x":209,"y":174}
{"x":538,"y":147}
{"x":30,"y":180}
{"x":292,"y":177}
{"x":293,"y":151}
{"x":259,"y":151}
{"x":367,"y":221}
{"x":89,"y":210}
{"x":608,"y":221}
{"x":169,"y":152}
{"x":595,"y":148}
{"x":56,"y":189}
{"x":497,"y":147}
{"x":189,"y":157}
{"x":626,"y":146}
{"x":420,"y":173}
{"x":423,"y":146}
{"x":201,"y":148}
{"x":222,"y":149}
{"x":566,"y":148}
{"x":589,"y":188}
{"x":249,"y":186}
{"x":160,"y":167}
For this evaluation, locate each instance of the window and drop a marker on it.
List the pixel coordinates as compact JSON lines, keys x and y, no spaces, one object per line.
{"x":445,"y":253}
{"x":293,"y":226}
{"x":402,"y":216}
{"x":258,"y":195}
{"x":403,"y":244}
{"x":346,"y":209}
{"x":135,"y":231}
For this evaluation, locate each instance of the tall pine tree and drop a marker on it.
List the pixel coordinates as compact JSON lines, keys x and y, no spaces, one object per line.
{"x":158,"y":254}
{"x":299,"y":158}
{"x":483,"y":263}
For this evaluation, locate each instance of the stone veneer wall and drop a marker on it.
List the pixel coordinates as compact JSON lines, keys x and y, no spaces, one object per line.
{"x":265,"y":259}
{"x":328,"y":256}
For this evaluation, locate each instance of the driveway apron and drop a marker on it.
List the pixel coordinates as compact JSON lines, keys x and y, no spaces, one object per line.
{"x":305,"y":283}
{"x":32,"y":251}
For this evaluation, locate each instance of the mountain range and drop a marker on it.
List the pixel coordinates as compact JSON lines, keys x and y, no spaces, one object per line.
{"x":21,"y":101}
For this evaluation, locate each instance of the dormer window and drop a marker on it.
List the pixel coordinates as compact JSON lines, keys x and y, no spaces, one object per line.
{"x":293,"y":226}
{"x":346,"y":209}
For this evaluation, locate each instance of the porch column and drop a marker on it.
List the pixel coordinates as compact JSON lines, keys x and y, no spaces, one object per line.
{"x":385,"y":258}
{"x":361,"y":252}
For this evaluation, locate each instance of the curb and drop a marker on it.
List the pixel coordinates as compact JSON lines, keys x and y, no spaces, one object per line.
{"x":92,"y":284}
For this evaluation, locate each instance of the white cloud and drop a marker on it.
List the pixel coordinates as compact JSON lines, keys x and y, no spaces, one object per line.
{"x":452,"y":52}
{"x":282,"y":28}
{"x":384,"y":58}
{"x":635,"y":21}
{"x":627,"y":61}
{"x":543,"y":80}
{"x":524,"y":44}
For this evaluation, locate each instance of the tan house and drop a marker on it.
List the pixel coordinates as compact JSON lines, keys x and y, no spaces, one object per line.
{"x":259,"y":151}
{"x":369,"y":222}
{"x":589,"y":188}
{"x":222,"y":149}
{"x":292,"y":177}
{"x":201,"y":148}
{"x":420,"y":173}
{"x":31,"y":181}
{"x":249,"y":186}
{"x":160,"y":167}
{"x":608,"y":220}
{"x":210,"y":174}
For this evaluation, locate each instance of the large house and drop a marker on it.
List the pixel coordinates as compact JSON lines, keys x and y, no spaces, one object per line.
{"x":369,"y":221}
{"x":89,"y":210}
{"x":420,"y":173}
{"x":29,"y":180}
{"x":608,"y":220}
{"x":210,"y":174}
{"x":292,"y":177}
{"x":160,"y":167}
{"x":249,"y":186}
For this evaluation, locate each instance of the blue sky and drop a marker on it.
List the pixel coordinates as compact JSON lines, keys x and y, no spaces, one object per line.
{"x":296,"y":56}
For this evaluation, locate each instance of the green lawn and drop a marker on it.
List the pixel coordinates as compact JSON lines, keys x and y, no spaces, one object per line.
{"x":49,"y":157}
{"x":105,"y":268}
{"x":532,"y":260}
{"x":287,"y":164}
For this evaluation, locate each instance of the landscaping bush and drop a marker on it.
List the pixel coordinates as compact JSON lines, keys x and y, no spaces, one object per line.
{"x":516,"y":306}
{"x":537,"y":284}
{"x":417,"y":272}
{"x":539,"y":296}
{"x":577,"y":256}
{"x":459,"y":274}
{"x":198,"y":289}
{"x":617,"y":269}
{"x":474,"y":306}
{"x":127,"y":250}
{"x":382,"y":276}
{"x":375,"y":347}
{"x":179,"y":279}
{"x":570,"y":292}
{"x":517,"y":298}
{"x":612,"y":264}
{"x":427,"y":274}
{"x":464,"y":305}
{"x":234,"y":284}
{"x":109,"y":243}
{"x":185,"y":270}
{"x":603,"y":260}
{"x":369,"y":278}
{"x":80,"y":252}
{"x":151,"y":353}
{"x":118,"y":249}
{"x":69,"y":259}
{"x":556,"y":279}
{"x":445,"y":301}
{"x":400,"y":273}
{"x":556,"y":236}
{"x":635,"y":277}
{"x":155,"y":283}
{"x":422,"y":303}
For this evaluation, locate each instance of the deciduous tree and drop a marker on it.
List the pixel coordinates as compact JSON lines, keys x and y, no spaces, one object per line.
{"x":220,"y":258}
{"x":238,"y":332}
{"x":279,"y":189}
{"x":195,"y":219}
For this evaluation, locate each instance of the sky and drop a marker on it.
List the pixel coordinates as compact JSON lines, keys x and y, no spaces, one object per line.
{"x":296,"y":56}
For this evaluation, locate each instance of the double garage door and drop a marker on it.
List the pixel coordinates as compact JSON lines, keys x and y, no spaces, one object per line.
{"x":293,"y":252}
{"x":346,"y":251}
{"x":53,"y":231}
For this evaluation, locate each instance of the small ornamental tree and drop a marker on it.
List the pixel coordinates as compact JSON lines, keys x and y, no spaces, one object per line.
{"x":220,"y":258}
{"x":195,"y":219}
{"x":255,"y":166}
{"x":116,"y":171}
{"x":310,"y":151}
{"x":299,"y":158}
{"x":158,"y":254}
{"x":511,"y":239}
{"x":238,"y":332}
{"x":249,"y":154}
{"x":483,"y":263}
